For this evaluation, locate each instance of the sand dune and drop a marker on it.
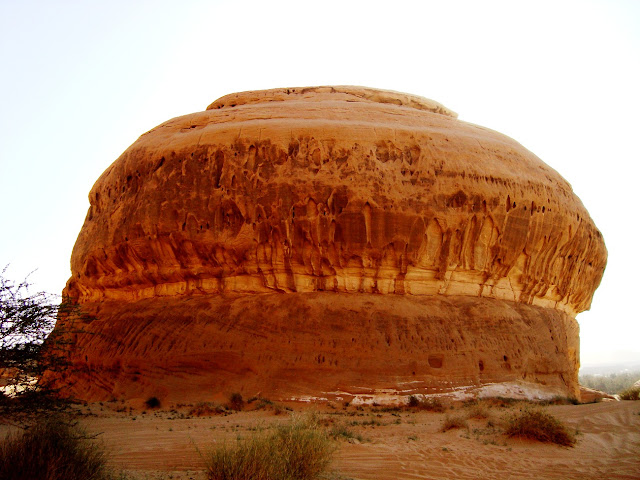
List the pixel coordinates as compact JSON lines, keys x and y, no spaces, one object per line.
{"x":400,"y":445}
{"x":608,"y":447}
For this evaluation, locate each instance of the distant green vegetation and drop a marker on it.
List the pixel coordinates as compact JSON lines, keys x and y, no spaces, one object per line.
{"x":611,"y":383}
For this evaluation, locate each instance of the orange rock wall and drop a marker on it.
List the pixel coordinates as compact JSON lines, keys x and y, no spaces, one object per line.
{"x":324,"y":345}
{"x":341,"y":191}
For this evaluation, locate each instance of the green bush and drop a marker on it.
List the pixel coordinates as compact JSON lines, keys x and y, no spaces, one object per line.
{"x":299,"y":450}
{"x":52,"y":450}
{"x":539,"y":425}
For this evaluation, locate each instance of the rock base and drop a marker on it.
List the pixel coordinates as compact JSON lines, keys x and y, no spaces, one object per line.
{"x":318,"y":346}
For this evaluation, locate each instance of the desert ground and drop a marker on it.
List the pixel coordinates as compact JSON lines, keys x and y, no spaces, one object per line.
{"x":382,"y":443}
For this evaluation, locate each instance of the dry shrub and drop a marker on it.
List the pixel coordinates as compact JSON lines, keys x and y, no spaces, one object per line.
{"x":428,"y":404}
{"x":501,"y":402}
{"x":478,"y":411}
{"x":341,"y":431}
{"x":52,"y":450}
{"x":539,"y":425}
{"x":299,"y":450}
{"x":152,"y":402}
{"x":262,"y":403}
{"x":236,"y":402}
{"x":453,"y":422}
{"x":207,"y":409}
{"x":559,"y":400}
{"x":266,"y":404}
{"x":630,"y":394}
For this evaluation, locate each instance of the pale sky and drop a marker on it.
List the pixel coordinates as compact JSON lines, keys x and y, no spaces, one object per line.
{"x":81,"y":80}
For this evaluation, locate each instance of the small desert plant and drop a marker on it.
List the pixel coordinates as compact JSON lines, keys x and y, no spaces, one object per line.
{"x":236,"y":401}
{"x":429,"y":404}
{"x":391,"y":408}
{"x":538,"y":425}
{"x":202,"y":409}
{"x":502,"y":402}
{"x":432,"y":405}
{"x":453,"y":422}
{"x":478,"y":411}
{"x":300,"y":450}
{"x":371,"y":422}
{"x":52,"y":450}
{"x":263,"y":403}
{"x":152,"y":402}
{"x":630,"y":394}
{"x":343,"y":432}
{"x":559,"y":400}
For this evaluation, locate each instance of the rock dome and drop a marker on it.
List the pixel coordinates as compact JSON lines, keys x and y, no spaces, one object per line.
{"x":329,"y":241}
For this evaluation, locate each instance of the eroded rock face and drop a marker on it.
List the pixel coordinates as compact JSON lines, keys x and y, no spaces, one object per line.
{"x":371,"y":231}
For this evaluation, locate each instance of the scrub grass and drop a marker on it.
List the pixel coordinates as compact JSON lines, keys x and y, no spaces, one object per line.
{"x":53,"y":449}
{"x":428,"y":404}
{"x":299,"y":450}
{"x":630,"y":394}
{"x":451,"y":423}
{"x":541,"y":426}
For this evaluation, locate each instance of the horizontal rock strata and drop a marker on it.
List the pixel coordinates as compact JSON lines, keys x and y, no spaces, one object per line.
{"x":323,"y":345}
{"x":337,"y":192}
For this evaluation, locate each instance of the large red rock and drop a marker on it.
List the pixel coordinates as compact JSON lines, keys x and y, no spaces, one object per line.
{"x":329,"y":239}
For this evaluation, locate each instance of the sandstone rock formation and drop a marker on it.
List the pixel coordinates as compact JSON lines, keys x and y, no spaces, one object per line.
{"x":589,"y":395}
{"x":329,"y":239}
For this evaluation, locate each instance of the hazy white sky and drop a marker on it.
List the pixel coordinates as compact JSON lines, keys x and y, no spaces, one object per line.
{"x":81,"y":80}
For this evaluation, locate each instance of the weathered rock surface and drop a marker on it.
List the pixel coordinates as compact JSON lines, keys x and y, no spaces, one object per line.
{"x":589,"y":395}
{"x":309,"y":240}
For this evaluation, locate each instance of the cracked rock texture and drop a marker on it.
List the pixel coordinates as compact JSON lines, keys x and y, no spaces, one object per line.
{"x":329,"y":239}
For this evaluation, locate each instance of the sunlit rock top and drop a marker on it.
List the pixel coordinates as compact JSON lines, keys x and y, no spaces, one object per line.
{"x":342,"y":189}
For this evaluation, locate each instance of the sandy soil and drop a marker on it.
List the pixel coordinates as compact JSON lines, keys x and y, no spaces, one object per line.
{"x":395,"y":444}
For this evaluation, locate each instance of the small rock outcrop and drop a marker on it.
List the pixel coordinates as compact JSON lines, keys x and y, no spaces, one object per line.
{"x":590,"y":395}
{"x":327,"y":241}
